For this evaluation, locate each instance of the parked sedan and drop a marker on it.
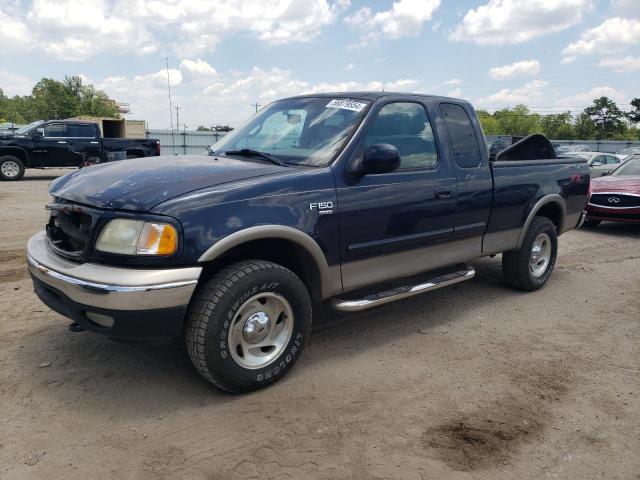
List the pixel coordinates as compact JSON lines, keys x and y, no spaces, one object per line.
{"x":599,"y":163}
{"x":616,"y":197}
{"x":629,"y":151}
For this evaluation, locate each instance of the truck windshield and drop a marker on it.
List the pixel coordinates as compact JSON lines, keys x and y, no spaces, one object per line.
{"x":303,"y":131}
{"x":28,"y":128}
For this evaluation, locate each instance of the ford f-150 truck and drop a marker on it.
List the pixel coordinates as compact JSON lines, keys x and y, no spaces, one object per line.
{"x":64,"y":143}
{"x":351,"y":199}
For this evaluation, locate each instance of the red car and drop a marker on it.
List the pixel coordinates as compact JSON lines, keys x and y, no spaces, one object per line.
{"x":616,"y":197}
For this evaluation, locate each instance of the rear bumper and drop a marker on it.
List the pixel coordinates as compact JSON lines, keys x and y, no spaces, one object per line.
{"x":119,"y":302}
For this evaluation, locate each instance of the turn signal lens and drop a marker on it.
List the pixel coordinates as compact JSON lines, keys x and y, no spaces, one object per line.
{"x":135,"y":237}
{"x":157,"y":239}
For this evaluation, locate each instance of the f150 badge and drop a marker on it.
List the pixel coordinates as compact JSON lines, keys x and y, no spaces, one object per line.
{"x":323,"y":208}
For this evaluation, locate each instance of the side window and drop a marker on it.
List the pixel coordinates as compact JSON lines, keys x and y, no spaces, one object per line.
{"x":611,"y":160}
{"x":461,"y":135}
{"x":405,"y":126}
{"x":54,"y":130}
{"x":75,"y":130}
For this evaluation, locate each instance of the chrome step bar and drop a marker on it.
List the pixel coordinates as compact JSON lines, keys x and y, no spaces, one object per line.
{"x":387,"y":296}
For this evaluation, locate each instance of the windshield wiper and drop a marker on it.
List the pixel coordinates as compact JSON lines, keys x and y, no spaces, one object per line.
{"x":247,"y":152}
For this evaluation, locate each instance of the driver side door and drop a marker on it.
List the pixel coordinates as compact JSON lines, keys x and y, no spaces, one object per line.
{"x":396,"y":224}
{"x":52,"y":149}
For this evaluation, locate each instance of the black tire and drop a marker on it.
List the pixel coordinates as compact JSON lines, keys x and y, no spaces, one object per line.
{"x":591,"y":222}
{"x":131,"y":156}
{"x":516,"y":267}
{"x":212,"y":314}
{"x":8,"y":170}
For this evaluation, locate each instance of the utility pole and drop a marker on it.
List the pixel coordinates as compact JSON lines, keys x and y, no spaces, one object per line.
{"x":178,"y":117}
{"x":173,"y":142}
{"x":257,"y":105}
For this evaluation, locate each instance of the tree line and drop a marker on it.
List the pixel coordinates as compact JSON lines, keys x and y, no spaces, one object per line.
{"x":603,"y":120}
{"x":54,"y":99}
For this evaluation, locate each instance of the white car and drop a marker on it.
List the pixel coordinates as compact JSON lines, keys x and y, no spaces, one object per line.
{"x":600,"y":163}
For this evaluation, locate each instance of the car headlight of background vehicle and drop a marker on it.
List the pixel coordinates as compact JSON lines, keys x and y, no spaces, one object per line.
{"x":137,"y":237}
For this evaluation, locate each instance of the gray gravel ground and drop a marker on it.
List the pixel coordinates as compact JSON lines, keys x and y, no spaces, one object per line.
{"x":475,"y":381}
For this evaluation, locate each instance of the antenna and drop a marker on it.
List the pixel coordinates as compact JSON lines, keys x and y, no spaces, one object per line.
{"x":173,"y":142}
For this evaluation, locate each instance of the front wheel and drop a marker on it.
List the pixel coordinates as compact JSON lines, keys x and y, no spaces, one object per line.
{"x":529,"y":267}
{"x":247,"y":325}
{"x":11,"y":168}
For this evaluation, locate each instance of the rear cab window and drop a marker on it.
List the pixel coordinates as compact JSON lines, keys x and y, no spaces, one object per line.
{"x":75,"y":130}
{"x":462,"y":136}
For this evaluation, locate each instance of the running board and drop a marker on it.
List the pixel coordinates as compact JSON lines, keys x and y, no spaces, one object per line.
{"x":387,"y":296}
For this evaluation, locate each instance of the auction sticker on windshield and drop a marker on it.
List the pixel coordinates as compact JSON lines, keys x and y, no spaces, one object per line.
{"x":346,"y":104}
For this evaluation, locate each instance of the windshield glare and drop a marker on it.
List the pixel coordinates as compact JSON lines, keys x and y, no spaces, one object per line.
{"x":27,"y":128}
{"x":305,"y":131}
{"x":630,"y":167}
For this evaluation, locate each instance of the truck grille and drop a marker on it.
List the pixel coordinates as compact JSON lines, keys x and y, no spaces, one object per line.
{"x":69,"y":228}
{"x":615,"y":200}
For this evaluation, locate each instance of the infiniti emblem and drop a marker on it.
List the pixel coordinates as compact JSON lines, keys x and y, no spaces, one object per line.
{"x":613,"y":200}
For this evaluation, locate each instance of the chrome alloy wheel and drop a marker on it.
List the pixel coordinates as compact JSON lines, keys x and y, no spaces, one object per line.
{"x":10,"y":169}
{"x":260,"y":330}
{"x":540,"y":255}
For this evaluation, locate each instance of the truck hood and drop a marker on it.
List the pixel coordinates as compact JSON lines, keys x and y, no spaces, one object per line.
{"x":140,"y":184}
{"x":621,"y":184}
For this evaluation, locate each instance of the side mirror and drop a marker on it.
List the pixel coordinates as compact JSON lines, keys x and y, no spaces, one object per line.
{"x":380,"y":158}
{"x":38,"y":134}
{"x":606,"y":172}
{"x":596,"y":164}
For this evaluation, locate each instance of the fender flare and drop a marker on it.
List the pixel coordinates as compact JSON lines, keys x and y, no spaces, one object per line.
{"x":547,"y":199}
{"x":330,"y":277}
{"x":10,"y":150}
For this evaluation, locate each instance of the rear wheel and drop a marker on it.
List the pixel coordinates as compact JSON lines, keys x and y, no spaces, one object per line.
{"x":11,"y":168}
{"x":247,"y":325}
{"x":529,"y":267}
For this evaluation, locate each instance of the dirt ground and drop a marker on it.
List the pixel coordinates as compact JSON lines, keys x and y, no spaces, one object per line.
{"x":475,"y":381}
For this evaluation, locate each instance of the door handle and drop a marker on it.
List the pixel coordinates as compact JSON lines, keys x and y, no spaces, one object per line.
{"x":95,"y":143}
{"x":62,"y":141}
{"x":444,"y":192}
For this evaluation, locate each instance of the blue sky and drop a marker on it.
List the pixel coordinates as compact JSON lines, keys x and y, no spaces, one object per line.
{"x":225,"y":55}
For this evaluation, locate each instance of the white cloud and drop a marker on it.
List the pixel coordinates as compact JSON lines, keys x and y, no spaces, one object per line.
{"x":626,"y":64}
{"x":500,"y":22}
{"x":12,"y":84}
{"x":614,"y":34}
{"x":456,"y":92}
{"x":516,"y":69}
{"x":451,"y":82}
{"x":588,"y":97}
{"x":349,"y":67}
{"x":14,"y":34}
{"x":626,"y":8}
{"x":198,"y":71}
{"x":80,"y":29}
{"x":405,"y":18}
{"x":529,"y":92}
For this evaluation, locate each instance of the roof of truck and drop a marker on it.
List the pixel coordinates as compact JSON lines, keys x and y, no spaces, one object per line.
{"x":374,"y":95}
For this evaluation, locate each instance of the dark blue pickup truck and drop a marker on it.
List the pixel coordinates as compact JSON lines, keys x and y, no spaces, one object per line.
{"x":350,"y":199}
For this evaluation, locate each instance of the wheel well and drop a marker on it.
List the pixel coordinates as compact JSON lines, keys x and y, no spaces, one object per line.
{"x":283,"y":252}
{"x":16,"y":153}
{"x":553,"y":212}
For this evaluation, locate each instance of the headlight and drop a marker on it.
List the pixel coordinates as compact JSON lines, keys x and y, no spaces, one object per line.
{"x":137,"y":237}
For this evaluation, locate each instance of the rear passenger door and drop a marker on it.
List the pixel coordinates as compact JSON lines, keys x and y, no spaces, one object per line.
{"x":84,"y":141}
{"x":471,"y":164}
{"x":389,"y":222}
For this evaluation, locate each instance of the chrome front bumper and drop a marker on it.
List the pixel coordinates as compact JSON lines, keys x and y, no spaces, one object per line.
{"x":112,"y":288}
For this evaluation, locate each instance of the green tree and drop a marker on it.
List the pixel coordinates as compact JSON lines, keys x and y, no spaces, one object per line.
{"x":517,"y":120}
{"x":634,"y":114}
{"x":557,"y":126}
{"x":52,"y":99}
{"x":584,"y":127}
{"x":607,"y":118}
